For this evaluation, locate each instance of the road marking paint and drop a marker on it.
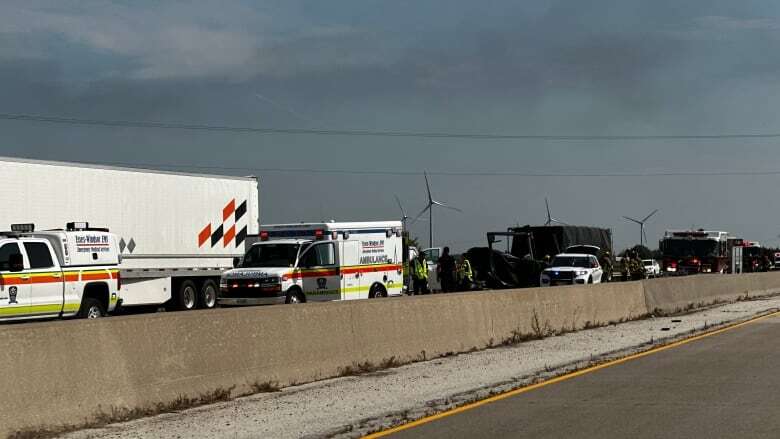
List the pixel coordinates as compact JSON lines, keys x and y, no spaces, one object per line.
{"x":565,"y":377}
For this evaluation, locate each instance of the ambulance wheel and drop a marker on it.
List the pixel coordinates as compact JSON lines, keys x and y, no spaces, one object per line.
{"x":187,"y":296}
{"x":208,"y":294}
{"x":91,"y":309}
{"x":294,"y":296}
{"x":377,"y":291}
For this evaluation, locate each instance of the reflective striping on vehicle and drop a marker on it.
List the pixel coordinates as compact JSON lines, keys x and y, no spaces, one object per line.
{"x":371,"y":268}
{"x":354,"y":269}
{"x":56,"y":276}
{"x":37,"y":309}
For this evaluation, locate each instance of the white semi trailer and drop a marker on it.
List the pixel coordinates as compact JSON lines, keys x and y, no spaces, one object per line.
{"x":177,"y":232}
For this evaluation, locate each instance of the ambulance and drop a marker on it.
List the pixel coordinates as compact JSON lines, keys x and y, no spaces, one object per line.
{"x":314,"y":262}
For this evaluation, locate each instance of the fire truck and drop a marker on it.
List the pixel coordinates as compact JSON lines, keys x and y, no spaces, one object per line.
{"x":695,"y":251}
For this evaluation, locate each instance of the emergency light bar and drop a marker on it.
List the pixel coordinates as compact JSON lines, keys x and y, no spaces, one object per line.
{"x":82,"y":225}
{"x":23,"y":228}
{"x":264,"y":236}
{"x":319,"y":234}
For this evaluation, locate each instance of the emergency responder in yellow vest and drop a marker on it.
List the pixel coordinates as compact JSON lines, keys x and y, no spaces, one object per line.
{"x":465,"y":274}
{"x":420,"y":275}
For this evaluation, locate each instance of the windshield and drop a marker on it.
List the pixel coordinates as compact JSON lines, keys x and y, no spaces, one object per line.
{"x":683,"y":248}
{"x":571,"y":261}
{"x":271,"y":255}
{"x":648,"y":263}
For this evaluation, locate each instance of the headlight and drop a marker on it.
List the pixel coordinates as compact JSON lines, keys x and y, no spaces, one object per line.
{"x":582,"y":272}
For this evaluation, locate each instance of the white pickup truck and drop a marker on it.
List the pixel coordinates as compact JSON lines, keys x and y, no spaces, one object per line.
{"x":58,"y":273}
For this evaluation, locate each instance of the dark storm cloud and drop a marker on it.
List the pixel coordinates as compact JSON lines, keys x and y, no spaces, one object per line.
{"x":556,"y":67}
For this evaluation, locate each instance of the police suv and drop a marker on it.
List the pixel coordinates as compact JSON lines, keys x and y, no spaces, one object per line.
{"x":293,"y":263}
{"x":71,"y":272}
{"x":572,"y":269}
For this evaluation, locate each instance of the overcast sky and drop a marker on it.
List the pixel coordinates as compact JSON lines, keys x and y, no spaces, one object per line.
{"x":503,"y":67}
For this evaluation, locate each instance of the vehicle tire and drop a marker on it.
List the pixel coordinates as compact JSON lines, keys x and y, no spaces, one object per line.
{"x":377,"y":291}
{"x":294,"y":295}
{"x":207,"y":298}
{"x":91,"y":309}
{"x":187,"y":296}
{"x":590,"y":280}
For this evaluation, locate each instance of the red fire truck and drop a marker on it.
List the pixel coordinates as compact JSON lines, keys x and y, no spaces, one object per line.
{"x":695,"y":251}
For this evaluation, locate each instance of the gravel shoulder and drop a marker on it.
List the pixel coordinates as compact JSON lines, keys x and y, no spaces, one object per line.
{"x":355,"y":406}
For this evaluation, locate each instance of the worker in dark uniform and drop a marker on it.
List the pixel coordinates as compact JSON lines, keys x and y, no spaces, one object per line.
{"x":606,"y":266}
{"x":446,"y":271}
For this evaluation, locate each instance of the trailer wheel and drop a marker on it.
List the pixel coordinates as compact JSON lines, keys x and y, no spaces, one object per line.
{"x":377,"y":291}
{"x":294,"y":295}
{"x":187,"y":296}
{"x":207,"y":298}
{"x":91,"y":309}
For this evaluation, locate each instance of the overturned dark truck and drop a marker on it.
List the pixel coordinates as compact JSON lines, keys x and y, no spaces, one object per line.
{"x":521,"y":264}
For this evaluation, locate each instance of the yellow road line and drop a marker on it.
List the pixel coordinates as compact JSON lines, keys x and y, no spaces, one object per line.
{"x":565,"y":377}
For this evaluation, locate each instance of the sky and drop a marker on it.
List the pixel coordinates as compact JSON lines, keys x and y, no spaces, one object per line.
{"x":602,"y":67}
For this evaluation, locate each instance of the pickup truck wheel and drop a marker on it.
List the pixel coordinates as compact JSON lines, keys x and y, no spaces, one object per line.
{"x":590,"y":280}
{"x":208,"y":294}
{"x":91,"y":309}
{"x":187,"y":297}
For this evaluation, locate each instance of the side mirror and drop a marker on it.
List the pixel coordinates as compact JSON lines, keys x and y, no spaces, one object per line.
{"x":16,"y":262}
{"x":236,"y":262}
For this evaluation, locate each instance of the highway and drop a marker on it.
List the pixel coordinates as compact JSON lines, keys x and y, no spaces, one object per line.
{"x":724,"y":385}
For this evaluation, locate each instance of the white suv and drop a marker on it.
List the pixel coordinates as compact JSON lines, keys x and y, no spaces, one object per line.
{"x":572,"y":269}
{"x":652,"y":268}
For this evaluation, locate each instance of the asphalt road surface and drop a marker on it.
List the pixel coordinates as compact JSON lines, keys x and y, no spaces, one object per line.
{"x":722,"y":386}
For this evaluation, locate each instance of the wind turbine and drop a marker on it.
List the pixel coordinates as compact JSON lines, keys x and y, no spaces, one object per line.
{"x":642,"y":234}
{"x":429,"y":209}
{"x":550,"y":219}
{"x":404,"y":217}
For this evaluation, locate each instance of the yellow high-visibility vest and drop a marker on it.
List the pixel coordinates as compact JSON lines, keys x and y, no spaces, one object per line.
{"x":420,"y":270}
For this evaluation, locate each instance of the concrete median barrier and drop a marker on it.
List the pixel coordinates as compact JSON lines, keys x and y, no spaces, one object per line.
{"x":65,"y":373}
{"x":675,"y":294}
{"x":68,"y":373}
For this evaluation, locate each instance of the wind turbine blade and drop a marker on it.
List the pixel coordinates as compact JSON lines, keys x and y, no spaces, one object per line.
{"x":400,"y":206}
{"x":549,"y":216}
{"x":648,"y":216}
{"x":428,"y":186}
{"x":633,"y":220}
{"x":445,"y":205}
{"x":427,"y":208}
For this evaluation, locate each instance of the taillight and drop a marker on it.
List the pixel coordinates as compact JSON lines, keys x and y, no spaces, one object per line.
{"x":118,"y":281}
{"x":264,"y":236}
